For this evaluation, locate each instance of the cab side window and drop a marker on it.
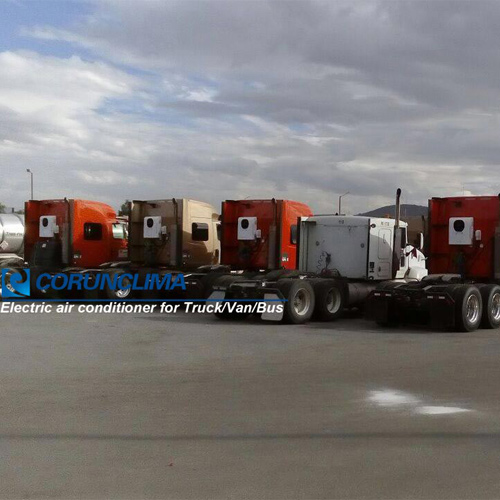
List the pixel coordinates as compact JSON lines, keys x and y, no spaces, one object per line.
{"x":119,"y":231}
{"x":293,"y":234}
{"x":92,"y":231}
{"x":199,"y":231}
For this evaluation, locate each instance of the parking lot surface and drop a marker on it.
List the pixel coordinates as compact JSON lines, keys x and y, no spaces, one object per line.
{"x":186,"y":406}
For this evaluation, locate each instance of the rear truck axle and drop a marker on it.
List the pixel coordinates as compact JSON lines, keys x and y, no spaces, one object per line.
{"x":442,"y":301}
{"x":304,"y":296}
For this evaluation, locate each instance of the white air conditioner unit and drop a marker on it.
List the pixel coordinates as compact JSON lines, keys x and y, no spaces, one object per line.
{"x":48,"y":226}
{"x":461,"y":230}
{"x":247,"y":228}
{"x":152,"y":227}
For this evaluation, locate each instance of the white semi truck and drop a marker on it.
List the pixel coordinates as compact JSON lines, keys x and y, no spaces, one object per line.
{"x":340,"y":260}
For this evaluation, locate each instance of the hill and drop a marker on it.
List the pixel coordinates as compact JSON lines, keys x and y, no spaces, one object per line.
{"x":406,"y":211}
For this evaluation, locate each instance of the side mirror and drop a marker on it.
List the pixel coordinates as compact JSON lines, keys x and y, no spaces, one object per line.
{"x":420,"y":241}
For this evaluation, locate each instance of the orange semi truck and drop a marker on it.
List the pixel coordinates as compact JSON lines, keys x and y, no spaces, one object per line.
{"x":70,"y":235}
{"x":73,"y":233}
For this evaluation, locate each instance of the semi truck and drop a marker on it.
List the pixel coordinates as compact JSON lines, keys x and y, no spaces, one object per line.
{"x":462,"y":289}
{"x":172,"y":236}
{"x":11,"y":239}
{"x":73,"y":233}
{"x":71,"y":236}
{"x":339,"y":261}
{"x":260,"y":235}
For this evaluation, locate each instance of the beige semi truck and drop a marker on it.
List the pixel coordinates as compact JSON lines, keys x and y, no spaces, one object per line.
{"x":170,"y":236}
{"x":173,"y":233}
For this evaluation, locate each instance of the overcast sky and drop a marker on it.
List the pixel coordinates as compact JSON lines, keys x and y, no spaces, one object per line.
{"x":223,"y":100}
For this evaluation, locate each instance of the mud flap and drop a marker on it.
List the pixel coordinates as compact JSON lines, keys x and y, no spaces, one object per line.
{"x":271,"y":314}
{"x":377,"y":309}
{"x":441,"y":315}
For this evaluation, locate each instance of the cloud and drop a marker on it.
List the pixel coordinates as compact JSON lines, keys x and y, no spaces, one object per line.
{"x":231,"y":99}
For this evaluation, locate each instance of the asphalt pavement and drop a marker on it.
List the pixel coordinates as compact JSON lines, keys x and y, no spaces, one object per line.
{"x":187,"y":406}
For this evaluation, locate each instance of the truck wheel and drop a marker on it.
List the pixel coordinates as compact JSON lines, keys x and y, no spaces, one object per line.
{"x":468,"y":308}
{"x":330,"y":299}
{"x":300,"y":300}
{"x":118,"y":293}
{"x":490,"y":295}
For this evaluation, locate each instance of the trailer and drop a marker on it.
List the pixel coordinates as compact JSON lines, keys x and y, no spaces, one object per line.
{"x":340,"y":260}
{"x":462,"y":291}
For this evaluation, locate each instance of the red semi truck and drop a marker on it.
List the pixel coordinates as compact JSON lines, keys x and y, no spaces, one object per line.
{"x":260,"y":234}
{"x":461,"y":292}
{"x":258,"y":239}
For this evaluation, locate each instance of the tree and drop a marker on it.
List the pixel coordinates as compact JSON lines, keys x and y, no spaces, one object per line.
{"x":2,"y":208}
{"x":125,"y":208}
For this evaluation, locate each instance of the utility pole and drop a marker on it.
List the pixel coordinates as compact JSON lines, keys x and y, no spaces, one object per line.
{"x":31,"y":174}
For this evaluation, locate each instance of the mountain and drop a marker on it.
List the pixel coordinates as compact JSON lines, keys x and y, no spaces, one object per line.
{"x":406,"y":211}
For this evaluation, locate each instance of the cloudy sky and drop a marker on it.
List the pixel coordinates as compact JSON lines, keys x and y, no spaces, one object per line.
{"x":214,"y":100}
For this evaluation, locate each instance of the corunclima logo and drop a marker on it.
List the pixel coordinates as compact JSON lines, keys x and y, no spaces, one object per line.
{"x":15,"y":283}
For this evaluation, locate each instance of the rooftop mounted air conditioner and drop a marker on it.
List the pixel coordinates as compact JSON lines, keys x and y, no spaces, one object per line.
{"x":48,"y":226}
{"x":461,"y":231}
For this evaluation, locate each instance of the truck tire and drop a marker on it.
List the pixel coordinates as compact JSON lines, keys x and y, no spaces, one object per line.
{"x":119,"y":293}
{"x":468,"y":308}
{"x":299,"y":295}
{"x":490,"y":295}
{"x":330,"y":298}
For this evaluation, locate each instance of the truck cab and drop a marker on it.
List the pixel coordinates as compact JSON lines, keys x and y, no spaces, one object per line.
{"x":358,"y":248}
{"x":260,"y":234}
{"x":462,"y":291}
{"x":73,"y":233}
{"x":175,"y":233}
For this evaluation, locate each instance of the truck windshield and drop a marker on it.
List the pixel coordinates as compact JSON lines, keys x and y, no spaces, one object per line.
{"x":119,"y":231}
